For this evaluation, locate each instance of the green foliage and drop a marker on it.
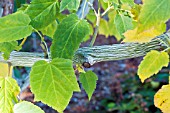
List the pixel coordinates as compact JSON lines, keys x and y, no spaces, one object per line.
{"x":27,"y":107}
{"x":8,"y":47}
{"x":153,"y":12}
{"x":108,"y":28}
{"x":68,"y":36}
{"x":152,"y":63}
{"x":129,"y":2}
{"x":114,"y":1}
{"x":89,"y":81}
{"x":69,"y":4}
{"x":9,"y":89}
{"x":53,"y":83}
{"x":14,"y":27}
{"x":42,"y":12}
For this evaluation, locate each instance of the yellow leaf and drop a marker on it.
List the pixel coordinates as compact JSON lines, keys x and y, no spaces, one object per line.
{"x":162,"y":99}
{"x":145,"y":36}
{"x":4,"y":70}
{"x":152,"y":64}
{"x":136,"y":11}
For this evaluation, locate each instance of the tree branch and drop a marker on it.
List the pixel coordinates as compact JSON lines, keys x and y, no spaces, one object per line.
{"x":97,"y":53}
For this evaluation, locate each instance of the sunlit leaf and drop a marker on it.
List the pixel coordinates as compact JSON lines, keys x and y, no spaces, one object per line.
{"x":9,"y":90}
{"x":14,"y":27}
{"x":4,"y":70}
{"x":27,"y":107}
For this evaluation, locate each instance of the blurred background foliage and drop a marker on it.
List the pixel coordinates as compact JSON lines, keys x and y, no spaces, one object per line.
{"x":119,"y":89}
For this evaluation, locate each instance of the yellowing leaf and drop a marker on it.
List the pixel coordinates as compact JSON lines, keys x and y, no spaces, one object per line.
{"x":136,"y":11}
{"x":162,"y":99}
{"x":104,"y":28}
{"x":4,"y":70}
{"x":9,"y":89}
{"x":152,"y":63}
{"x":145,"y":36}
{"x":152,"y":13}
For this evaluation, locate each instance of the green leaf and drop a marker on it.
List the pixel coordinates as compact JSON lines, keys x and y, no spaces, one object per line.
{"x":130,"y":2}
{"x":104,"y":4}
{"x":89,"y":81}
{"x":112,"y":26}
{"x":153,"y":13}
{"x":14,"y":27}
{"x":50,"y":29}
{"x":42,"y":12}
{"x":9,"y":89}
{"x":27,"y":107}
{"x":23,"y":8}
{"x":108,"y":28}
{"x":123,"y":23}
{"x":114,"y":1}
{"x":8,"y":47}
{"x":91,"y":17}
{"x":152,"y":63}
{"x":69,"y":4}
{"x":68,"y":36}
{"x":53,"y":83}
{"x":87,"y":37}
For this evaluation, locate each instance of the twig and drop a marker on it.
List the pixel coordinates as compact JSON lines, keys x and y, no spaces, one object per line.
{"x":23,"y":41}
{"x":98,"y":16}
{"x":94,"y":36}
{"x":110,"y":7}
{"x":91,"y":6}
{"x":43,"y":44}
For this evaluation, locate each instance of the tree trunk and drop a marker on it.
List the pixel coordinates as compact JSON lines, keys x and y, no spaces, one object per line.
{"x":6,"y":7}
{"x":96,"y":54}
